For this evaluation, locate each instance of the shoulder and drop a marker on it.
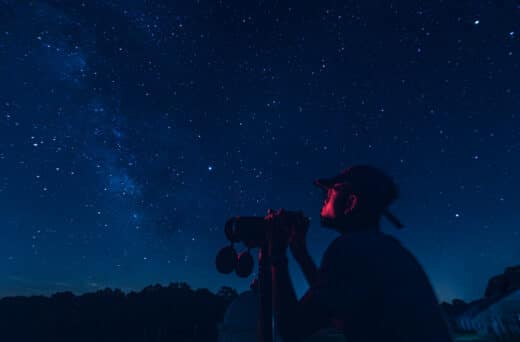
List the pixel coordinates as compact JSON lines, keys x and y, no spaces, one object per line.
{"x":344,"y":247}
{"x":337,"y":246}
{"x":359,"y":241}
{"x":362,"y":246}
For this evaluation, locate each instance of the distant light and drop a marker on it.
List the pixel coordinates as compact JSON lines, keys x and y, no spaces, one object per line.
{"x":476,"y":22}
{"x":457,"y":215}
{"x":210,"y":168}
{"x":511,"y":34}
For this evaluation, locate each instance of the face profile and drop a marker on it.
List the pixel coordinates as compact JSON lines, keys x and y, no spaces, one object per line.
{"x":339,"y":203}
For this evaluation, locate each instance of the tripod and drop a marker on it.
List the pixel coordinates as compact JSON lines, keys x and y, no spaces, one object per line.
{"x":265,"y":277}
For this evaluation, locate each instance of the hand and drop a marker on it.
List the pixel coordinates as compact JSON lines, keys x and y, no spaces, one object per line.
{"x":278,"y":234}
{"x":288,"y":228}
{"x":298,"y":242}
{"x":298,"y":235}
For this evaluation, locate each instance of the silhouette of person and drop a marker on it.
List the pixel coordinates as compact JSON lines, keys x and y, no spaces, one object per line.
{"x":368,"y":284}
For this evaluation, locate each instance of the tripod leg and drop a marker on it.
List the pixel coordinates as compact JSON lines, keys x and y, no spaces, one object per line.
{"x":265,"y":326}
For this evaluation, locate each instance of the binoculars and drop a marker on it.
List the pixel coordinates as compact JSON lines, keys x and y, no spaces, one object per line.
{"x":253,"y":232}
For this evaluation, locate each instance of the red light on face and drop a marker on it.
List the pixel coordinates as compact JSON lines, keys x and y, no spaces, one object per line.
{"x":328,"y":210}
{"x":335,"y":200}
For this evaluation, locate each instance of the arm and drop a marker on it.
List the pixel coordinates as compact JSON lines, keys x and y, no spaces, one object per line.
{"x":309,"y":268}
{"x":294,"y":319}
{"x":298,"y":246}
{"x":324,"y":303}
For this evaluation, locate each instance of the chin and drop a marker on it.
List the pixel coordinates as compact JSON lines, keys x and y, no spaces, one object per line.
{"x":328,"y":222}
{"x":333,"y":223}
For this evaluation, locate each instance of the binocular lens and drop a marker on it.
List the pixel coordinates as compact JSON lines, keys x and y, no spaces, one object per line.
{"x":244,"y":265}
{"x":226,"y":260}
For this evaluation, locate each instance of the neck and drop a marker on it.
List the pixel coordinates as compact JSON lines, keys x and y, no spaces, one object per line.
{"x":360,"y":229}
{"x":362,"y":226}
{"x":343,"y":226}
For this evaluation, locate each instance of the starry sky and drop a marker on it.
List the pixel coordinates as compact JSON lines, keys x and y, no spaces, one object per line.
{"x":131,"y":130}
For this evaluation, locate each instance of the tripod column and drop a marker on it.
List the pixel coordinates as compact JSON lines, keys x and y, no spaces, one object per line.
{"x":265,"y":325}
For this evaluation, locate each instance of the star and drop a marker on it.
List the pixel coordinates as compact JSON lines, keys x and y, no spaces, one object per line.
{"x":99,"y":144}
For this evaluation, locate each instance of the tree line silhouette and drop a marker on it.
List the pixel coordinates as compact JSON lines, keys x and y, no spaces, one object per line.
{"x":157,"y":313}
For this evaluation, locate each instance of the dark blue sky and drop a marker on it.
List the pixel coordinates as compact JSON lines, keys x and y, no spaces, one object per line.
{"x":131,"y":130}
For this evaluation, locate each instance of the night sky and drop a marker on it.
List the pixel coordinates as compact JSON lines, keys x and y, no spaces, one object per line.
{"x":130,"y":131}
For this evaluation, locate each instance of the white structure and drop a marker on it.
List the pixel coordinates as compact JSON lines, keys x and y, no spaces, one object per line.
{"x":498,"y":317}
{"x":501,"y":318}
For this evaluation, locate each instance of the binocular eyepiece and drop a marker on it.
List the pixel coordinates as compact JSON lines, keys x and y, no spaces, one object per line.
{"x":250,"y":230}
{"x":253,"y":232}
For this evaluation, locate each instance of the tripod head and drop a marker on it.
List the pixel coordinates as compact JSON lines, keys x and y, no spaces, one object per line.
{"x":253,"y":232}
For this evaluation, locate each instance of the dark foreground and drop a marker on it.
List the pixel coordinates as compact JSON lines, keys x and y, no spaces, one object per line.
{"x":157,"y":313}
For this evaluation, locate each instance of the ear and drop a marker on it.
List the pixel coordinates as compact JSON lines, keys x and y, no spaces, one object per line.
{"x":351,"y":204}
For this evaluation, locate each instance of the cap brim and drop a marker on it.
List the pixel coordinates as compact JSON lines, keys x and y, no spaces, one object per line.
{"x":324,"y":183}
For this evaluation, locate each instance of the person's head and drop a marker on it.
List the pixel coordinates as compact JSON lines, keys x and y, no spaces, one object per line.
{"x":357,"y":198}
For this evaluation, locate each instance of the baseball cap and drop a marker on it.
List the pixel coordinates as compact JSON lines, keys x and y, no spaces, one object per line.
{"x":372,"y":183}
